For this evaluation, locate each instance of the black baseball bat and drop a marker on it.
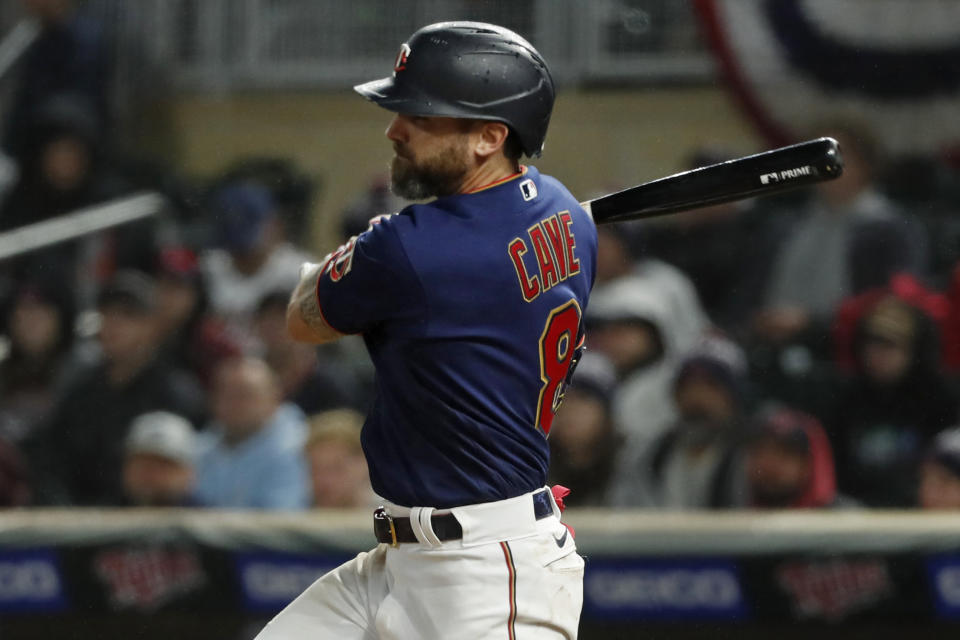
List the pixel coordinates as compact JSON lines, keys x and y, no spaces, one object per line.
{"x":772,"y":171}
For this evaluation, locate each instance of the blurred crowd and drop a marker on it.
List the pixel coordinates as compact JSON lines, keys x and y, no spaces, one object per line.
{"x":799,"y":352}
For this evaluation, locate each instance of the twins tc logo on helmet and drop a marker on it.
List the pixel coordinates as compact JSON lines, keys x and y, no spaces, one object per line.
{"x":401,"y":62}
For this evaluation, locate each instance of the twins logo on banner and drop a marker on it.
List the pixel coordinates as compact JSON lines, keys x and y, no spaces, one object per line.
{"x":146,"y":578}
{"x":833,"y":589}
{"x":893,"y":63}
{"x":661,"y":589}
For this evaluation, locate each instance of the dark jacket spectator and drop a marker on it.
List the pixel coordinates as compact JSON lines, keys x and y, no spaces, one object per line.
{"x":584,"y":440}
{"x":80,"y":451}
{"x":40,"y":357}
{"x":69,"y":56}
{"x":896,"y":400}
{"x":66,"y":168}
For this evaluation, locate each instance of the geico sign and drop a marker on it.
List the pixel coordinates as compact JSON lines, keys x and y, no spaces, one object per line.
{"x":948,"y":585}
{"x":266,"y":581}
{"x":28,"y":580}
{"x":665,"y":588}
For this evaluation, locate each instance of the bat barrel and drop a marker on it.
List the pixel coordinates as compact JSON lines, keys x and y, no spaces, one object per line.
{"x":769,"y":172}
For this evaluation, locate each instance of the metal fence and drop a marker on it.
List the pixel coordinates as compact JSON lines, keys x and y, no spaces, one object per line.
{"x":221,"y":45}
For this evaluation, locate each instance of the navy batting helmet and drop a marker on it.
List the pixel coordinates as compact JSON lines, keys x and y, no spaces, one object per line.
{"x":470,"y":70}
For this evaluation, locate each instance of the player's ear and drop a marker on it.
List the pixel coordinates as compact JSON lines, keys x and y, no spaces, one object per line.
{"x":490,"y":137}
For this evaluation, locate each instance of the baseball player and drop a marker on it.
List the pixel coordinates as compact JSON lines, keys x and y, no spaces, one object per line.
{"x":470,"y":307}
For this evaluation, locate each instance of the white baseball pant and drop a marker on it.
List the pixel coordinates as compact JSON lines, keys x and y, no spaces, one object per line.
{"x":511,"y":576}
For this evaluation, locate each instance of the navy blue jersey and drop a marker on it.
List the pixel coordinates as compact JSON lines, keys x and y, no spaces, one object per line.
{"x":470,"y":307}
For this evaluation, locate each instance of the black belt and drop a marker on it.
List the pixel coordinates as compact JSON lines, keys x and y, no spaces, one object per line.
{"x":396,"y":530}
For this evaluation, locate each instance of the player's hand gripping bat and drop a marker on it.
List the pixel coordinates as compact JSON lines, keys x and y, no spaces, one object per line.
{"x":764,"y":173}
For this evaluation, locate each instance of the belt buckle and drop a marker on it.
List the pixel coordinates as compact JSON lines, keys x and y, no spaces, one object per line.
{"x":381,"y":514}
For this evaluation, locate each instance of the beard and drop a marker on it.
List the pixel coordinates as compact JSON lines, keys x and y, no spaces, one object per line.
{"x":436,"y":176}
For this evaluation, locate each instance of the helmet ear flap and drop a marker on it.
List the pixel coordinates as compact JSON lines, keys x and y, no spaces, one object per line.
{"x":471,"y":70}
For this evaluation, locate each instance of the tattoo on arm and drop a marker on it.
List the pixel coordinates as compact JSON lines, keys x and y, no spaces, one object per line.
{"x":306,"y":297}
{"x":310,"y":308}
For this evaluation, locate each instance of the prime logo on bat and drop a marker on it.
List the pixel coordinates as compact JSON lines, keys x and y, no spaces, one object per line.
{"x":470,"y":307}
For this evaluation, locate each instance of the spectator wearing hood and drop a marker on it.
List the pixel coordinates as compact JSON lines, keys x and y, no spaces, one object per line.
{"x":252,"y":258}
{"x":789,"y":463}
{"x":584,"y":440}
{"x":70,"y":55}
{"x":939,"y":483}
{"x":645,"y":332}
{"x":692,"y":464}
{"x":66,"y":168}
{"x":896,"y":400}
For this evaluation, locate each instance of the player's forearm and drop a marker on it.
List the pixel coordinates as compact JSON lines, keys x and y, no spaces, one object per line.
{"x":305,"y":321}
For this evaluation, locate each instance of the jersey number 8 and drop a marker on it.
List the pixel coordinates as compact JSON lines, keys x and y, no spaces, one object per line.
{"x":557,"y":346}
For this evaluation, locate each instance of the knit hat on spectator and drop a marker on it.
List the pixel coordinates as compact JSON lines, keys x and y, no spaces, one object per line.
{"x":946,"y":450}
{"x":719,"y":359}
{"x":162,"y":434}
{"x":242,"y":212}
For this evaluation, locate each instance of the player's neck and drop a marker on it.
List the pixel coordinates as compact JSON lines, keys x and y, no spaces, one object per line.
{"x":494,"y":169}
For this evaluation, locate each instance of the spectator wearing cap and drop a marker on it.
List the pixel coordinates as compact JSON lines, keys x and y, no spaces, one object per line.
{"x":79,"y":452}
{"x":252,"y":257}
{"x":693,"y":463}
{"x":789,"y":464}
{"x":896,"y":400}
{"x":939,"y":484}
{"x":251,"y":455}
{"x":339,"y":477}
{"x":583,"y":438}
{"x":193,"y":338}
{"x":160,"y":452}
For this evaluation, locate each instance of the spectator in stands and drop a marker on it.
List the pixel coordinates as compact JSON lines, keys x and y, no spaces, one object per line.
{"x":70,"y":56}
{"x":40,"y":355}
{"x":64,"y":168}
{"x":312,"y":384}
{"x":583,"y":438}
{"x":789,"y":464}
{"x":338,"y":469}
{"x":848,"y":238}
{"x":896,"y":400}
{"x":79,"y":451}
{"x":252,"y":260}
{"x":158,"y":462}
{"x":639,"y":328}
{"x":939,"y":485}
{"x":193,"y":339}
{"x":694,"y":462}
{"x":251,"y":456}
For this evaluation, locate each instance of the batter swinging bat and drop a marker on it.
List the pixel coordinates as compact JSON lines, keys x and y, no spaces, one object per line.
{"x":761,"y":174}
